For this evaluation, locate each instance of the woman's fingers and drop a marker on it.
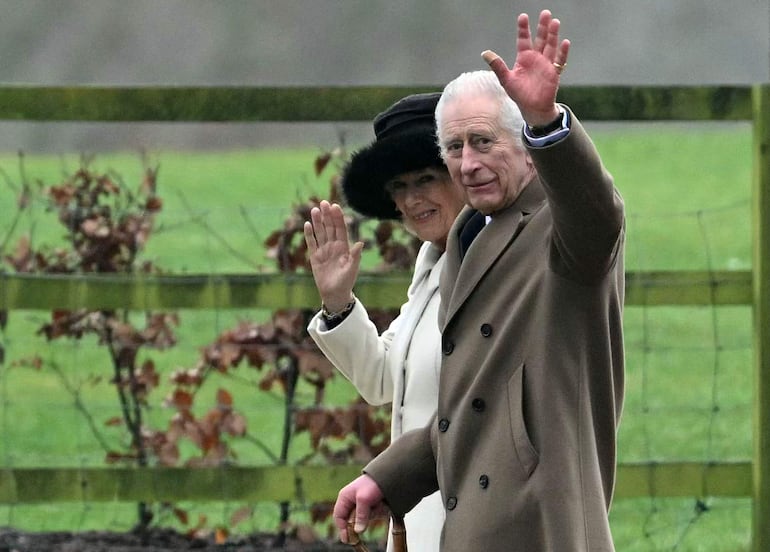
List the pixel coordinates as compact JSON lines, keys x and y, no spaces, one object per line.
{"x":337,"y":230}
{"x":355,"y":253}
{"x":316,"y":217}
{"x":327,"y":230}
{"x":310,"y":241}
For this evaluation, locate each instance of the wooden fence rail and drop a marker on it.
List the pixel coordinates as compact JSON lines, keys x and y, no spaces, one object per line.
{"x":308,"y":484}
{"x":217,"y":103}
{"x":273,"y":291}
{"x":761,"y":305}
{"x":349,"y":103}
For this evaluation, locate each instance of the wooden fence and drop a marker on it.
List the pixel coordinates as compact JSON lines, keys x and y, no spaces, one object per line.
{"x":223,"y":291}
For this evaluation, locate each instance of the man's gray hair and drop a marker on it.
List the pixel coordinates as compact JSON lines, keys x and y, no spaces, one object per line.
{"x":480,"y":83}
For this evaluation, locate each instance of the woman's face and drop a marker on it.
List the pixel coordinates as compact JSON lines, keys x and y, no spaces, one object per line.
{"x":428,"y":202}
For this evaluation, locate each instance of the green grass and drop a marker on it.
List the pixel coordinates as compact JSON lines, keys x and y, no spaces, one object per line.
{"x":687,"y":194}
{"x":217,"y":208}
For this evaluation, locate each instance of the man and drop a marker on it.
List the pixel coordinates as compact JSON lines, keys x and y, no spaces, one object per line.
{"x":531,"y":389}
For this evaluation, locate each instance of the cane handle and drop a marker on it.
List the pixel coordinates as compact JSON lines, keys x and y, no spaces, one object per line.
{"x":398,"y":532}
{"x":354,"y":539}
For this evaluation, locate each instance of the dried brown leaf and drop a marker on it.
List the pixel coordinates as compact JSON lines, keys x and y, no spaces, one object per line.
{"x":168,"y":454}
{"x":181,"y":400}
{"x":182,"y":515}
{"x":240,"y":515}
{"x":220,"y":535}
{"x":224,"y":399}
{"x":321,"y":511}
{"x":95,"y":228}
{"x":113,"y":457}
{"x":306,"y":534}
{"x":320,"y":162}
{"x":234,"y":424}
{"x":153,"y":204}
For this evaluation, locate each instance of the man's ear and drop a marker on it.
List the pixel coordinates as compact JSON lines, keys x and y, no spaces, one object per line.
{"x":528,"y":161}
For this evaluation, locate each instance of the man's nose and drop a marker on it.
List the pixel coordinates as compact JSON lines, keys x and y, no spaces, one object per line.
{"x":470,"y":161}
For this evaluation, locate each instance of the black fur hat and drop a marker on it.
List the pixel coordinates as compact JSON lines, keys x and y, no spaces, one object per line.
{"x":405,"y":141}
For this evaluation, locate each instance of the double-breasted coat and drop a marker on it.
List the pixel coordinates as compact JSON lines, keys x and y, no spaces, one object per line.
{"x":400,"y":366}
{"x":523,"y":445}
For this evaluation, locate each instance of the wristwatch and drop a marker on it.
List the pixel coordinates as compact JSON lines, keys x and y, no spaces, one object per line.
{"x":334,"y":318}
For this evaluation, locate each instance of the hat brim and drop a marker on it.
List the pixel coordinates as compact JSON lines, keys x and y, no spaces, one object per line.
{"x":370,"y":168}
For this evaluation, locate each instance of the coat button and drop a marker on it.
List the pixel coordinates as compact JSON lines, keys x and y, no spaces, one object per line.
{"x":443,"y":425}
{"x":486,"y":330}
{"x":478,"y":405}
{"x":484,"y":481}
{"x":451,"y":503}
{"x":448,"y":346}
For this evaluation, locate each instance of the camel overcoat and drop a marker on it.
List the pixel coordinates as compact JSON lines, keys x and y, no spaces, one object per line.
{"x":523,"y":445}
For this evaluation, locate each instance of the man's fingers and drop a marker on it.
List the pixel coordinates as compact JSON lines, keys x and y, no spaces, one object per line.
{"x":342,"y":529}
{"x":552,"y":39}
{"x":361,"y":495}
{"x":496,"y":63}
{"x":562,"y":53}
{"x":342,"y":510}
{"x":490,"y":57}
{"x":362,"y":517}
{"x":541,"y":34}
{"x":523,"y":37}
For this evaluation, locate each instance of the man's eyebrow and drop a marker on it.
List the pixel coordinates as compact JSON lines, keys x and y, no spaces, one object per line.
{"x":475,"y":136}
{"x":450,"y":139}
{"x":452,"y":135}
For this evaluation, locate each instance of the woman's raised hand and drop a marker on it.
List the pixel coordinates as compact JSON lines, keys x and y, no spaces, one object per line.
{"x":334,"y":261}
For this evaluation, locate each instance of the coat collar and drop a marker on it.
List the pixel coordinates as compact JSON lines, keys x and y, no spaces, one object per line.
{"x":430,"y":260}
{"x":461,"y":277}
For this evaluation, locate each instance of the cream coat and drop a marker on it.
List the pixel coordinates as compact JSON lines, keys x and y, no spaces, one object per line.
{"x":401,"y":366}
{"x":523,"y":446}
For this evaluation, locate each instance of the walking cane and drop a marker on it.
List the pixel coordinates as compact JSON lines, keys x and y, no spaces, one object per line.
{"x":398,"y":532}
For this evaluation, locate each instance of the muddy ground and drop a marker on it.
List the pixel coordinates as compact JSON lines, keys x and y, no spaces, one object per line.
{"x":156,"y":540}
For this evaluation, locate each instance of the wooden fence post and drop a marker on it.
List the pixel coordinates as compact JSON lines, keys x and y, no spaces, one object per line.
{"x":761,"y":276}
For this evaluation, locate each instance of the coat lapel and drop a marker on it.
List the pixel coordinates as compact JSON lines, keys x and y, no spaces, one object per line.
{"x":424,"y":286}
{"x":462,"y":276}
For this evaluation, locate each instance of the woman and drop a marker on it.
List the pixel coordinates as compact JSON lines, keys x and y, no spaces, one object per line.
{"x":398,"y":176}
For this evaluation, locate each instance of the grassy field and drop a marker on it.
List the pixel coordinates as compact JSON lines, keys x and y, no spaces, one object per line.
{"x":687,"y":194}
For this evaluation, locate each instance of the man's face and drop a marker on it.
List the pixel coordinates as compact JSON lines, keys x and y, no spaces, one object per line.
{"x":482,"y":157}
